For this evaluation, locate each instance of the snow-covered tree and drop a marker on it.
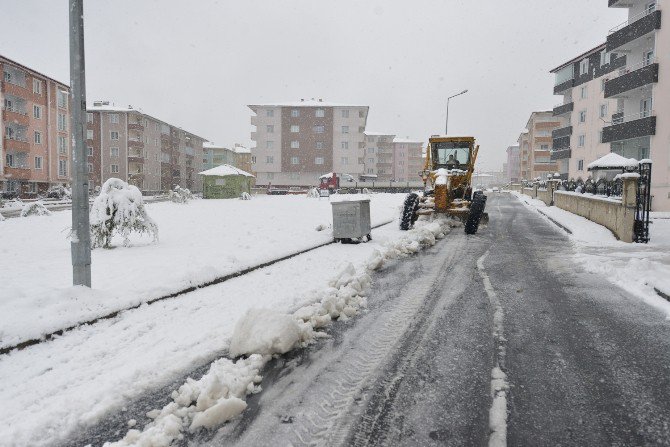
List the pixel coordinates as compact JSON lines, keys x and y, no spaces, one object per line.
{"x":34,"y":209}
{"x":313,"y":193}
{"x":59,"y":192}
{"x":119,"y":209}
{"x":180,"y":195}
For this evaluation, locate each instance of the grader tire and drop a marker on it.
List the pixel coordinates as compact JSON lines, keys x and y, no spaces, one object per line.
{"x":476,"y":211}
{"x":409,"y":211}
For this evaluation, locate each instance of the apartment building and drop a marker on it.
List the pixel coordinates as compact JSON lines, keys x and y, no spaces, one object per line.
{"x":149,"y":153}
{"x":297,"y":142}
{"x":581,"y":81}
{"x":35,"y":130}
{"x":408,"y":161}
{"x":513,"y":166}
{"x":535,"y":145}
{"x":242,"y":157}
{"x":216,"y":155}
{"x":640,"y":125}
{"x":379,"y":156}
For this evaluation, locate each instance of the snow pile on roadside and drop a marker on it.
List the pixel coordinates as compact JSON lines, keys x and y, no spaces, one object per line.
{"x":209,"y":402}
{"x":219,"y":395}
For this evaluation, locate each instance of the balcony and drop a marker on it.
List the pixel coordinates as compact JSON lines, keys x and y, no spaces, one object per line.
{"x":638,"y":26}
{"x":16,"y":173}
{"x":15,"y":115}
{"x":561,"y":154}
{"x":544,"y":167}
{"x":136,"y":144}
{"x":564,"y":109}
{"x":562,"y":132}
{"x":563,"y":87}
{"x":631,"y":126}
{"x":136,"y":126}
{"x":16,"y":143}
{"x":631,"y":78}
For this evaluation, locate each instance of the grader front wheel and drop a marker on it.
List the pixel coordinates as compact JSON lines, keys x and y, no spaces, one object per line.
{"x":476,"y":212}
{"x":409,"y":211}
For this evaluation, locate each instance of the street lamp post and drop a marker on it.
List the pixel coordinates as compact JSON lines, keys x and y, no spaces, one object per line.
{"x":446,"y":125}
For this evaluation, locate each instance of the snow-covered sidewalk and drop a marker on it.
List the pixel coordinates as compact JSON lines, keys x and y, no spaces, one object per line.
{"x":51,"y":389}
{"x":199,"y":241}
{"x":641,"y":269}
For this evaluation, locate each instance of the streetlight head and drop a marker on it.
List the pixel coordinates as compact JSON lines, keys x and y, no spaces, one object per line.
{"x":464,"y":91}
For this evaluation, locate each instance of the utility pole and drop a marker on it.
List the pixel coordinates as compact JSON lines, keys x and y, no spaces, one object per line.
{"x":81,"y":233}
{"x":446,"y":125}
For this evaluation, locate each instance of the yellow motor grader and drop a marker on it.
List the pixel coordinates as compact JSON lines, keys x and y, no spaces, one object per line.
{"x":447,"y":179}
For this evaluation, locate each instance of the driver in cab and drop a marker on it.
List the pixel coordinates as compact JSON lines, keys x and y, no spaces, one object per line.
{"x":452,"y":162}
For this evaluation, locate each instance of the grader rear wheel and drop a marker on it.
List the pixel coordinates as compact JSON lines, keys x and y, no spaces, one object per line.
{"x":476,"y":212}
{"x":409,"y":211}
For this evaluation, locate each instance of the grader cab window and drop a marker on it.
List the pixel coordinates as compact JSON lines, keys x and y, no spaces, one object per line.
{"x":452,"y":155}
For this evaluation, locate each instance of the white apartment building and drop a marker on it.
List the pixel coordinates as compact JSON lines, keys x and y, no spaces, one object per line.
{"x":640,"y":125}
{"x":581,"y":81}
{"x":297,"y":142}
{"x":379,"y":156}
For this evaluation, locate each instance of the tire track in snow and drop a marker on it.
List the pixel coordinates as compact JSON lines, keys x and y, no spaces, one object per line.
{"x":499,"y":383}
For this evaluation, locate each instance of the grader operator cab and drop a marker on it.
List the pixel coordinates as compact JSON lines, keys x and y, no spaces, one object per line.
{"x":447,"y":179}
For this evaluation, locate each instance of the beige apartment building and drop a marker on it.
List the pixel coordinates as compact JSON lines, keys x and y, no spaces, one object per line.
{"x":297,"y":142}
{"x":140,"y":149}
{"x":379,"y":158}
{"x":640,"y":125}
{"x":535,"y":145}
{"x":35,"y":131}
{"x":408,"y":161}
{"x":581,"y":81}
{"x":242,"y":157}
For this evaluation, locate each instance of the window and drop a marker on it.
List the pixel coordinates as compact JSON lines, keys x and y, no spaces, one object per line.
{"x":345,"y":160}
{"x":583,"y":67}
{"x":114,"y":169}
{"x":295,"y":113}
{"x":114,"y":118}
{"x":62,"y":99}
{"x":62,"y":145}
{"x":90,"y":151}
{"x":371,"y":160}
{"x":645,"y":107}
{"x":62,"y":168}
{"x":648,"y":58}
{"x":269,"y":159}
{"x":253,"y":159}
{"x":270,"y":175}
{"x":269,"y":144}
{"x":295,"y":128}
{"x":113,"y":151}
{"x":38,"y":138}
{"x":319,"y":129}
{"x":318,"y":161}
{"x":319,"y":144}
{"x":295,"y":160}
{"x":582,"y":116}
{"x":89,"y":117}
{"x":345,"y":129}
{"x":295,"y":144}
{"x":62,"y":122}
{"x":90,"y":167}
{"x":113,"y":135}
{"x":156,"y":142}
{"x":581,"y":140}
{"x":604,"y":58}
{"x":543,"y":147}
{"x":9,"y":160}
{"x":32,"y":187}
{"x":651,"y":7}
{"x":345,"y":113}
{"x":603,"y":110}
{"x":583,"y":93}
{"x":320,"y":113}
{"x":600,"y":136}
{"x":38,"y":162}
{"x":371,"y":150}
{"x":269,"y":113}
{"x":270,"y":128}
{"x":344,"y":145}
{"x":361,"y":113}
{"x":89,"y":134}
{"x":371,"y":171}
{"x":37,"y":112}
{"x":37,"y":86}
{"x":602,"y":84}
{"x":580,"y":165}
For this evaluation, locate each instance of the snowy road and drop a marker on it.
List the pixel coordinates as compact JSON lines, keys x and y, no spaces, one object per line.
{"x":586,"y":363}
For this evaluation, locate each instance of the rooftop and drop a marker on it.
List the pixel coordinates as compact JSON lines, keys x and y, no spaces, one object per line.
{"x":406,"y":140}
{"x":597,"y":49}
{"x":13,"y":62}
{"x":305,"y":103}
{"x":224,"y":170}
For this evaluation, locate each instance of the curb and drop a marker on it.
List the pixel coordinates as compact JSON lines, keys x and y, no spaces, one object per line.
{"x":555,"y":222}
{"x":662,"y":294}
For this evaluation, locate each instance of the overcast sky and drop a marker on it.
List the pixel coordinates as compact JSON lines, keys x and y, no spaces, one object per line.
{"x":198,"y":63}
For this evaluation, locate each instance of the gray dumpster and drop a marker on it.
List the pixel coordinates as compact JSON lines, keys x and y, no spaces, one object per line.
{"x":351,"y":220}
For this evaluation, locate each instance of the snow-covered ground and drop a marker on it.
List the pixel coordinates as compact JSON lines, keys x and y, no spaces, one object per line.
{"x":637,"y":268}
{"x":198,"y":242}
{"x":52,"y":388}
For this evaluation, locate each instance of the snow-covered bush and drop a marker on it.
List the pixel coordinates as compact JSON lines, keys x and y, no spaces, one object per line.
{"x":13,"y":203}
{"x":119,"y":209}
{"x":245,"y":196}
{"x":366,"y":191}
{"x":180,"y":195}
{"x":2,"y":217}
{"x":34,"y":209}
{"x":59,"y":192}
{"x":313,"y":193}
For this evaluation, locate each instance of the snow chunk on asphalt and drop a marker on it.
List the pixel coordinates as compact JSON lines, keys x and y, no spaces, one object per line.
{"x":221,"y":412}
{"x":265,"y":332}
